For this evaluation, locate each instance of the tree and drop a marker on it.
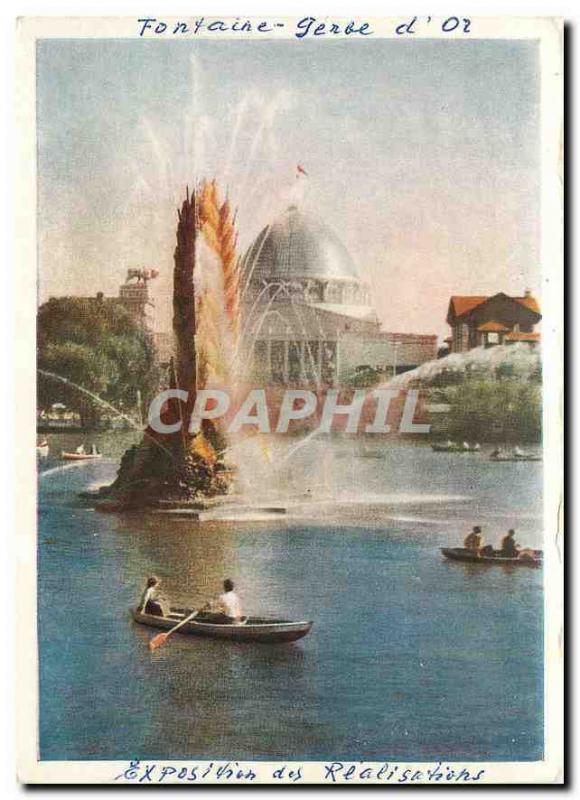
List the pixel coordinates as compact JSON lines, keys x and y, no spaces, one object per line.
{"x":500,"y":410}
{"x":364,"y":376}
{"x":96,"y":353}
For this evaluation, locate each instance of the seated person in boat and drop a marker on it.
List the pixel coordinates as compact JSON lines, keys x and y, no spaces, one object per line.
{"x":509,"y":546}
{"x":229,"y":602}
{"x":487,"y":551}
{"x":474,"y":540}
{"x":228,"y":608}
{"x":151,"y":601}
{"x":80,"y":451}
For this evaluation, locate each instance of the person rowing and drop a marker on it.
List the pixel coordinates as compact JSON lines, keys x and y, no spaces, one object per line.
{"x":228,"y":608}
{"x":509,"y":546}
{"x":229,"y":603}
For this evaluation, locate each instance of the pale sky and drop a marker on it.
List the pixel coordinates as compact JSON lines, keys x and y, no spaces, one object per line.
{"x":423,"y":156}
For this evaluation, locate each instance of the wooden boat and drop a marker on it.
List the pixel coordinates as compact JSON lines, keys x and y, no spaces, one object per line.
{"x":79,"y":456}
{"x":511,"y":457}
{"x":470,"y":448}
{"x":371,"y":452}
{"x":454,"y":447}
{"x":445,"y":447}
{"x":465,"y":555}
{"x":254,"y":629}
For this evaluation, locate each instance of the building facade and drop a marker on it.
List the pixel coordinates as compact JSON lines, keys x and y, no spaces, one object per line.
{"x":484,"y":321}
{"x":134,"y":293}
{"x":308,"y":315}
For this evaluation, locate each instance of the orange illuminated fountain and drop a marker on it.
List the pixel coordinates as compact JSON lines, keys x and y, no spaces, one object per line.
{"x":187,"y":467}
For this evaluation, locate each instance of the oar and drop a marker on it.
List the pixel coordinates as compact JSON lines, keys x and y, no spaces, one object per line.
{"x":161,"y":638}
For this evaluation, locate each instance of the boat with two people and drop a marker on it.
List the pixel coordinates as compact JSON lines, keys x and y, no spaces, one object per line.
{"x":475,"y":552}
{"x":528,"y":558}
{"x":226,"y":621}
{"x":81,"y":454}
{"x":517,"y":454}
{"x":456,"y":447}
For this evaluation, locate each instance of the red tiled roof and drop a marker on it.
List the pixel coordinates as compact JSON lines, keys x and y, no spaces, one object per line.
{"x":463,"y":304}
{"x":529,"y":302}
{"x":517,"y":336}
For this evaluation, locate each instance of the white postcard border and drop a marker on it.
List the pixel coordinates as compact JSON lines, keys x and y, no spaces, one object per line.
{"x":30,"y":769}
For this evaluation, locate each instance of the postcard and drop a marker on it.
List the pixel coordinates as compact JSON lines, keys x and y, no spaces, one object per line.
{"x":291,"y":374}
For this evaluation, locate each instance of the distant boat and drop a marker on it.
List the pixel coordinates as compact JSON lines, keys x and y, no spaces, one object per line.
{"x":533,"y":559}
{"x":515,"y":455}
{"x":42,"y":448}
{"x":254,"y":629}
{"x":445,"y":447}
{"x":79,"y":456}
{"x":371,"y":452}
{"x":466,"y":447}
{"x":454,"y":447}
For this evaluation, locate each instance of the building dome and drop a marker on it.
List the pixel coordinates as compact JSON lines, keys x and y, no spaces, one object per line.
{"x":298,"y":246}
{"x":306,"y":258}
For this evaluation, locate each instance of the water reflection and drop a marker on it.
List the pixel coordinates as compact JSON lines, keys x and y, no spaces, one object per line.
{"x":477,"y":570}
{"x":191,"y":566}
{"x":207,"y":685}
{"x":398,"y":631}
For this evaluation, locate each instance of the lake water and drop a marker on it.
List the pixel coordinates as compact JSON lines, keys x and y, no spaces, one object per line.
{"x":410,"y":657}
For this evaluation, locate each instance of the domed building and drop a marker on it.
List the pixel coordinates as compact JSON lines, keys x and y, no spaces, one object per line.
{"x":309,"y":316}
{"x":299,"y":259}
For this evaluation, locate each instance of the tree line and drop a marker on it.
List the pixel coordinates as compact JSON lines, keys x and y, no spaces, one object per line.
{"x":101,"y":354}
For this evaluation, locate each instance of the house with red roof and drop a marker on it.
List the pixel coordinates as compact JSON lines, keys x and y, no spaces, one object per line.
{"x":484,"y":321}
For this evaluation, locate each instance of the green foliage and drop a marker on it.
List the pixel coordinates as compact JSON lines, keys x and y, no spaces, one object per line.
{"x":364,"y":376}
{"x":537,"y":375}
{"x":447,"y":377}
{"x":98,"y":346}
{"x":493,"y":410}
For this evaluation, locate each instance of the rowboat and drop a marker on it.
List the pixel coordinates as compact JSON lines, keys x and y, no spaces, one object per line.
{"x":463,"y":554}
{"x":470,"y":448}
{"x":254,"y":629}
{"x":501,"y":454}
{"x":79,"y":456}
{"x":453,"y":447}
{"x":445,"y":447}
{"x":507,"y":457}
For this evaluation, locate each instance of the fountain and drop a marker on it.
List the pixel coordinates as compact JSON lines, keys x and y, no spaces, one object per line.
{"x":517,"y":360}
{"x":185,"y":468}
{"x":484,"y":395}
